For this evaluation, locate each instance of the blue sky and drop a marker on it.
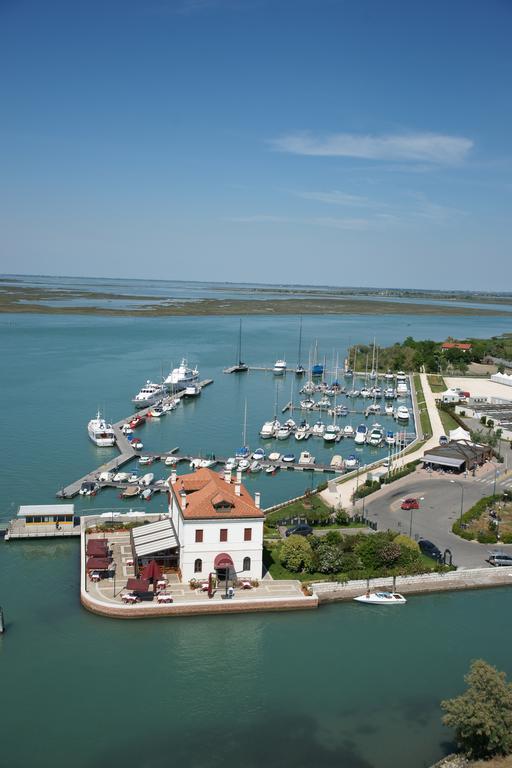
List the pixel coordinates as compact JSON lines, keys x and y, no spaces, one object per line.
{"x":352,"y":142}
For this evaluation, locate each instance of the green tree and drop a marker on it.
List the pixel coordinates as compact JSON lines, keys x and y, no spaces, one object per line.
{"x":296,"y":554}
{"x":482,"y":715}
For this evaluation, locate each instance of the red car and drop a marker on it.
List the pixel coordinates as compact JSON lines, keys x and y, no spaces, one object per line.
{"x":410,"y":504}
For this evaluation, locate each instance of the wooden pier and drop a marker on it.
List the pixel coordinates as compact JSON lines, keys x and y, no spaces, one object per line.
{"x":127,"y":452}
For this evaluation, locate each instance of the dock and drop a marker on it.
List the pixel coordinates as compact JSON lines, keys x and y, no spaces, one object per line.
{"x":126,"y":451}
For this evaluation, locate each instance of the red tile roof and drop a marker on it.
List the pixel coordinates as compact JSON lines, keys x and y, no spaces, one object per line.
{"x":455,"y":345}
{"x":204,"y":489}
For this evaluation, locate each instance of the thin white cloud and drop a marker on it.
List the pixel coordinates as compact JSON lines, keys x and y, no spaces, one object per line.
{"x":260,"y":218}
{"x":333,"y":198}
{"x":416,"y":147}
{"x":344,"y":223}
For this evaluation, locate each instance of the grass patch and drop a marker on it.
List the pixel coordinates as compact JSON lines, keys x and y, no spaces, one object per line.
{"x":437,"y":383}
{"x":426,"y":426}
{"x":447,"y":420}
{"x":313,"y":508}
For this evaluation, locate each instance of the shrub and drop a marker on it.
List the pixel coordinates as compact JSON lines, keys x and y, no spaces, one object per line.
{"x":341,"y":517}
{"x":296,"y":554}
{"x":328,"y":558}
{"x":406,"y":541}
{"x":482,"y":715}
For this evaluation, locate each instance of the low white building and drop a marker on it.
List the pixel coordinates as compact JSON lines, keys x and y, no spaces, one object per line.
{"x":502,"y":378}
{"x":219,"y":526}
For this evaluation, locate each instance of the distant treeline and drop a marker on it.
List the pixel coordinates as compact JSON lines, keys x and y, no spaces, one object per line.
{"x":412,"y":355}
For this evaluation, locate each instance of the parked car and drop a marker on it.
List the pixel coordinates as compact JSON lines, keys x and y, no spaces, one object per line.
{"x":410,"y":503}
{"x":430,"y":549}
{"x":499,"y":558}
{"x":303,"y":529}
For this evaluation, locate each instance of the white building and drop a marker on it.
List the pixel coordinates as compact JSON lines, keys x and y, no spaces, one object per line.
{"x":218,"y":525}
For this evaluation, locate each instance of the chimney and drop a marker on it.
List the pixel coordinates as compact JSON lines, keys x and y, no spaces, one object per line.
{"x":227,"y":476}
{"x":173,"y":477}
{"x":239,"y":475}
{"x":257,"y":499}
{"x":238,"y":489}
{"x":183,"y":499}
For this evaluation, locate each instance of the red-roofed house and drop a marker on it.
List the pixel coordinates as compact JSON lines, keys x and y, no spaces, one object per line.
{"x":218,"y":524}
{"x":456,"y":345}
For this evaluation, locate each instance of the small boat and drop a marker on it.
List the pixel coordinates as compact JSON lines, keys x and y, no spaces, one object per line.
{"x":137,"y":444}
{"x":255,"y":467}
{"x":170,"y":405}
{"x":126,"y":429}
{"x":289,"y":458}
{"x":195,"y":464}
{"x":242,"y":453}
{"x":284,"y":432}
{"x":337,"y":461}
{"x":156,"y":411}
{"x":389,"y":393}
{"x":388,"y":410}
{"x":231,"y":464}
{"x":170,"y":461}
{"x":120,"y":477}
{"x":360,"y":435}
{"x":317,"y":370}
{"x":351,"y":462}
{"x":381,"y":598}
{"x":324,"y":402}
{"x":100,"y":432}
{"x":306,"y":458}
{"x":146,"y":460}
{"x":192,"y":390}
{"x":300,"y":370}
{"x":105,"y":477}
{"x":307,"y":404}
{"x":137,"y":421}
{"x":331,"y":433}
{"x":376,"y":392}
{"x":206,"y":463}
{"x":302,"y":431}
{"x":390,"y":438}
{"x":274,"y":456}
{"x":89,"y":488}
{"x":279,"y":367}
{"x":147,"y":479}
{"x":146,"y":494}
{"x":149,"y":394}
{"x":373,"y":408}
{"x":244,"y":464}
{"x":259,"y":454}
{"x":131,"y":490}
{"x":133,"y":478}
{"x":348,"y":430}
{"x":375,"y":436}
{"x":271,"y":469}
{"x":318,"y":429}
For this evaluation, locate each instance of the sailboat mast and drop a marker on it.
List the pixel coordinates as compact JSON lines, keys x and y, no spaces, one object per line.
{"x":300,"y":342}
{"x":240,"y":343}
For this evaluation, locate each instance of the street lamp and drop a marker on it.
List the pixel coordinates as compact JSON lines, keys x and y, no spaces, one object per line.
{"x":461,"y":498}
{"x":421,"y":498}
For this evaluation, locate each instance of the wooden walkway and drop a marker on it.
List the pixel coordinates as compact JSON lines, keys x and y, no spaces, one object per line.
{"x":127,"y":452}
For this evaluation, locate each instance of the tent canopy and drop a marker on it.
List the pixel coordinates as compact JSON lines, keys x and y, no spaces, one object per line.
{"x":98,"y":564}
{"x":137,"y":585}
{"x":152,"y":572}
{"x":459,"y":434}
{"x":97,"y":547}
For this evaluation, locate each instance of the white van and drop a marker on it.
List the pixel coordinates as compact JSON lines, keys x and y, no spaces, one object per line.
{"x":499,"y":558}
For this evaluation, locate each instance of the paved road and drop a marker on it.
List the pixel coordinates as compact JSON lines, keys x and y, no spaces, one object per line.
{"x":440,"y":505}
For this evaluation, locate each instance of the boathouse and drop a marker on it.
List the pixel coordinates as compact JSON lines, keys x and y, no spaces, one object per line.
{"x":46,"y":514}
{"x":219,"y":526}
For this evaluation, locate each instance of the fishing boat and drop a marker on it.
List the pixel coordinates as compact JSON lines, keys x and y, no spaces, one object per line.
{"x":279,"y":367}
{"x":100,"y":432}
{"x":181,"y":376}
{"x":381,"y":598}
{"x":306,"y":458}
{"x":360,"y":435}
{"x":149,"y":394}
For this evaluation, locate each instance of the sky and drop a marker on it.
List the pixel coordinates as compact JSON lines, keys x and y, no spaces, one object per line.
{"x":343,"y":142}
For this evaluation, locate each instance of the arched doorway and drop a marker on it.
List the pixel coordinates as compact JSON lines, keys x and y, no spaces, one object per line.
{"x":224,"y":567}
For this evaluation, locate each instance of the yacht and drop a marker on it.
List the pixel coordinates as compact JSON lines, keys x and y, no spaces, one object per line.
{"x":181,"y":376}
{"x":150,"y":394}
{"x":402,"y":389}
{"x":270,"y":428}
{"x":331,"y":433}
{"x":100,"y":432}
{"x":402,"y":413}
{"x":279,"y":367}
{"x":348,"y":430}
{"x":318,"y":429}
{"x":360,"y":435}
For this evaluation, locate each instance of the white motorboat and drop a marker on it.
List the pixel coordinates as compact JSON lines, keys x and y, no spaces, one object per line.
{"x":376,"y":392}
{"x":270,"y":428}
{"x":381,"y":598}
{"x":105,"y":477}
{"x":120,"y":477}
{"x":388,"y":410}
{"x":274,"y":456}
{"x":360,"y":435}
{"x":89,"y":488}
{"x":255,"y":467}
{"x":231,"y":464}
{"x":331,"y":433}
{"x":284,"y":432}
{"x":170,"y":461}
{"x":337,"y":461}
{"x":133,"y":478}
{"x":181,"y":377}
{"x":307,"y":404}
{"x":401,"y":376}
{"x":156,"y":411}
{"x":289,"y":458}
{"x":244,"y":464}
{"x":373,"y":408}
{"x":259,"y":454}
{"x":279,"y":367}
{"x":306,"y":458}
{"x":146,"y":460}
{"x":206,"y":463}
{"x":126,"y":429}
{"x":351,"y":461}
{"x":402,"y":413}
{"x":402,"y":390}
{"x":271,"y":469}
{"x":302,"y":431}
{"x":195,"y":463}
{"x":348,"y":430}
{"x":192,"y":390}
{"x":100,"y":432}
{"x":389,"y":393}
{"x":389,"y":376}
{"x":129,"y":491}
{"x":390,"y":438}
{"x":137,"y":444}
{"x":147,"y":479}
{"x":146,"y":494}
{"x":149,"y":394}
{"x":375,"y":436}
{"x":318,"y":429}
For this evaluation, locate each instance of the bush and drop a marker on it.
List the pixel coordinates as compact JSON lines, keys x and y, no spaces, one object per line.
{"x":296,"y":554}
{"x":342,"y":518}
{"x":396,"y":475}
{"x":369,"y":486}
{"x":473,"y":514}
{"x":482,"y":715}
{"x":405,"y":541}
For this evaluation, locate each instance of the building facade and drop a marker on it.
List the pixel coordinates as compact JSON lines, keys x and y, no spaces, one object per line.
{"x":219,"y":526}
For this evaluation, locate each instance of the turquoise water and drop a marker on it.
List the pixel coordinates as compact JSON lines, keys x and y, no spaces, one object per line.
{"x":342,"y":686}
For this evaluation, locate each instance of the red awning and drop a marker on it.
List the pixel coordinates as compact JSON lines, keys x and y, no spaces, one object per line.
{"x":152,"y":571}
{"x":223,"y":561}
{"x":98,"y":564}
{"x":97,"y":547}
{"x":137,"y":585}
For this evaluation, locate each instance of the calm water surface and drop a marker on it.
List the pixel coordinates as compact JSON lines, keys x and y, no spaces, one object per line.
{"x":342,"y":686}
